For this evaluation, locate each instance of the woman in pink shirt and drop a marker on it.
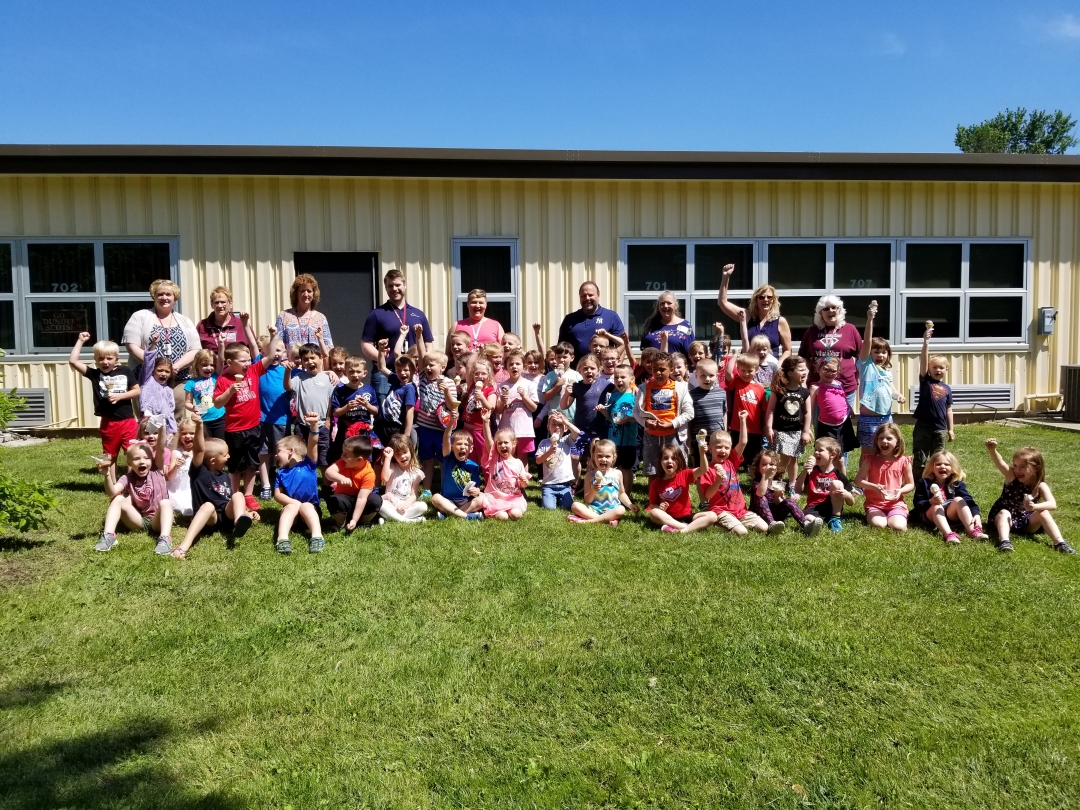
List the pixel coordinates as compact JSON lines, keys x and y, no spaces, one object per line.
{"x":479,"y":328}
{"x":832,"y":336}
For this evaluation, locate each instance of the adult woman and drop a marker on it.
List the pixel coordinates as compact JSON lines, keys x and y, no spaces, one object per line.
{"x":832,"y":336}
{"x":762,"y":316}
{"x":667,"y":318}
{"x":176,"y":336}
{"x":299,"y":323}
{"x":222,"y":325}
{"x":481,"y":330}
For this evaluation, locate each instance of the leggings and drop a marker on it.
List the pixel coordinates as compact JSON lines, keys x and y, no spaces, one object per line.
{"x":772,"y":511}
{"x":390,"y":512}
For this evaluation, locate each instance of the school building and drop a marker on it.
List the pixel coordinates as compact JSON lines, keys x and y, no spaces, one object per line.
{"x":986,"y":246}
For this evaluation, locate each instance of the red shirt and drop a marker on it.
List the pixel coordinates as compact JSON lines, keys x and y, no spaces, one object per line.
{"x":749,"y":397}
{"x":728,"y":497}
{"x":674,"y":491}
{"x":242,"y":412}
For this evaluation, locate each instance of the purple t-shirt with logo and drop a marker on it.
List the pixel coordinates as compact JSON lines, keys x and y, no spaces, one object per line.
{"x":578,"y":329}
{"x":844,"y":343}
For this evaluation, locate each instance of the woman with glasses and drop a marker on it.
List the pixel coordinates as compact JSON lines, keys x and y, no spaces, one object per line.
{"x":762,"y":315}
{"x":832,"y":336}
{"x":667,"y":318}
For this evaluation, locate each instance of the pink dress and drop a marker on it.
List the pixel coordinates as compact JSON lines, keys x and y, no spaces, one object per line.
{"x":488,"y":330}
{"x":890,"y":474}
{"x":503,"y":492}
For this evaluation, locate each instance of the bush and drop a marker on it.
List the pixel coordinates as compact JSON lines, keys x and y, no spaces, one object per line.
{"x":23,"y":504}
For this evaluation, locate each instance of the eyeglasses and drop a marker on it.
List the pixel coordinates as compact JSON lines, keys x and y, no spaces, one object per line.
{"x":830,"y":309}
{"x":764,"y":297}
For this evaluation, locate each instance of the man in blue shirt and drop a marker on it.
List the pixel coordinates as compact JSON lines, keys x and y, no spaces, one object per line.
{"x":578,"y":328}
{"x":384,"y":323}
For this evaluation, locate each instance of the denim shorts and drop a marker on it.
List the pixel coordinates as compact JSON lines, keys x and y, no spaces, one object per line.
{"x":559,"y":496}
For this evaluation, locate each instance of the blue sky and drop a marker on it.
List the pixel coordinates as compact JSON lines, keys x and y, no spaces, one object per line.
{"x":769,"y":76}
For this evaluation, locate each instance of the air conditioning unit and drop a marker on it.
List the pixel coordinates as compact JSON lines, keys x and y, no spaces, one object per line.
{"x":37,"y":411}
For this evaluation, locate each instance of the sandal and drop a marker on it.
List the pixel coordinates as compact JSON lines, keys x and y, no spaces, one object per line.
{"x":952,"y":538}
{"x":283,"y":546}
{"x":576,"y":519}
{"x":179,"y":553}
{"x":613,"y":523}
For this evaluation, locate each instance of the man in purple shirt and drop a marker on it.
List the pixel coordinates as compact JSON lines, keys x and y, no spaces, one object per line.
{"x":384,"y":322}
{"x":578,"y":328}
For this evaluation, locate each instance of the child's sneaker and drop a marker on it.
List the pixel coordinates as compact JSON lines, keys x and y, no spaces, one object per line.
{"x":164,"y":545}
{"x":775,"y":527}
{"x":666,"y":528}
{"x":315,"y":545}
{"x":474,"y":516}
{"x":425,"y":495}
{"x":835,"y":525}
{"x":791,"y":492}
{"x":975,"y":533}
{"x":266,"y":494}
{"x":952,"y":538}
{"x":283,"y":546}
{"x":243,"y":523}
{"x":106,"y":543}
{"x":1005,"y":545}
{"x":251,"y":503}
{"x":1064,"y":548}
{"x":812,"y":525}
{"x":440,"y":516}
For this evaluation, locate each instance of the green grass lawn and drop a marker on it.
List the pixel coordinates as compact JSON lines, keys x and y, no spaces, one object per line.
{"x":540,"y":664}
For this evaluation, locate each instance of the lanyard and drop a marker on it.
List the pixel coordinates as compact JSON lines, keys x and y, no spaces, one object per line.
{"x":476,"y":332}
{"x":404,"y":316}
{"x":166,"y":345}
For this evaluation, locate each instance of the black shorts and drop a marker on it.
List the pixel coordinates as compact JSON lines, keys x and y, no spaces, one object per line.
{"x":823,"y":510}
{"x":626,"y":457}
{"x":214,"y":429}
{"x":271,"y":434}
{"x":344,"y":504}
{"x":243,"y":449}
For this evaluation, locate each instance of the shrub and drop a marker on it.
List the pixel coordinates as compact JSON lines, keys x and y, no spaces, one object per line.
{"x":23,"y":504}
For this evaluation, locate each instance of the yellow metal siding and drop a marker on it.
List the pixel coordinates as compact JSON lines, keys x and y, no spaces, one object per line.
{"x":242,"y":232}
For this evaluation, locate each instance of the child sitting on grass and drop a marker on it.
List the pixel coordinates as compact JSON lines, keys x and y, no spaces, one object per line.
{"x":605,"y":495}
{"x":178,"y":468}
{"x":140,"y":498}
{"x":770,"y":499}
{"x":885,"y":477}
{"x":1026,"y":502}
{"x":942,"y":500}
{"x":669,"y":492}
{"x":460,"y":495}
{"x":212,"y":498}
{"x":507,"y":476}
{"x":296,"y":486}
{"x":827,"y":488}
{"x":354,"y":501}
{"x":402,"y":477}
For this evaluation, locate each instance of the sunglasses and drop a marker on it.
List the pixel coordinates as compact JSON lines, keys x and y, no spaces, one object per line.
{"x":764,"y":297}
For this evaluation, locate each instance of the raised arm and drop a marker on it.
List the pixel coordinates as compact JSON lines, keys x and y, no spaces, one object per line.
{"x":540,"y":347}
{"x":399,"y":344}
{"x":312,"y":420}
{"x":729,"y":309}
{"x":323,"y":349}
{"x":111,"y":487}
{"x":744,"y":336}
{"x":995,"y":456}
{"x":741,"y":446}
{"x":924,"y":355}
{"x":76,"y":350}
{"x":159,"y":451}
{"x":421,"y":344}
{"x":868,"y":331}
{"x":249,"y":333}
{"x":198,"y":449}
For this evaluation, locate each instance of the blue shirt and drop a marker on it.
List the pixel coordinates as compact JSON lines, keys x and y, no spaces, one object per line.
{"x":457,"y":476}
{"x":578,"y":329}
{"x":384,"y":322}
{"x":300,"y":482}
{"x":274,"y":400}
{"x":935,"y":398}
{"x":202,"y":394}
{"x":680,"y":336}
{"x":622,"y":405}
{"x":399,"y":398}
{"x":343,"y":395}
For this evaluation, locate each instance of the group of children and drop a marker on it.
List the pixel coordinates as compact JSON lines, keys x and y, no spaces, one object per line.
{"x":480,"y":413}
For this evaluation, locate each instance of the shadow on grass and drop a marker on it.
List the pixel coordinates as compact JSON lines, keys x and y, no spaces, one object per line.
{"x":29,"y":694}
{"x":105,"y":769}
{"x":79,"y":486}
{"x":15,"y":542}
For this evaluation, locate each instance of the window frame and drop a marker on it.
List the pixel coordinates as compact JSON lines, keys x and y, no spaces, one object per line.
{"x":897,"y":294}
{"x":24,"y":342}
{"x":12,"y":296}
{"x":459,"y":296}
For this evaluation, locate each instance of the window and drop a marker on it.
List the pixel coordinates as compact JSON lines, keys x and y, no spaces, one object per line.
{"x":490,"y":265}
{"x":690,"y":270}
{"x":973,"y":290}
{"x":51,"y":290}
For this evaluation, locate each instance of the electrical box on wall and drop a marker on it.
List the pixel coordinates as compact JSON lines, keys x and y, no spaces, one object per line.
{"x":1045,"y":323}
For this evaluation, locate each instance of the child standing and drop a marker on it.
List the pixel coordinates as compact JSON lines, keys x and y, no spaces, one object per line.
{"x":942,"y":499}
{"x":432,"y":398}
{"x":212,"y":497}
{"x":934,"y":413}
{"x":709,"y":401}
{"x":885,"y":477}
{"x":770,"y":499}
{"x":718,"y":486}
{"x":156,"y":396}
{"x":480,"y":397}
{"x":827,"y":488}
{"x":354,"y":501}
{"x":759,"y":347}
{"x":618,"y":407}
{"x":140,"y":498}
{"x":506,"y":476}
{"x":199,"y":393}
{"x":746,"y":394}
{"x":275,"y":405}
{"x":605,"y":497}
{"x":401,"y":476}
{"x":113,"y":386}
{"x":553,"y":457}
{"x":585,"y":396}
{"x":238,"y":393}
{"x":313,"y":388}
{"x":354,"y":405}
{"x":669,"y":492}
{"x":296,"y":485}
{"x":397,"y":410}
{"x":1026,"y":502}
{"x":787,"y":419}
{"x":834,"y":413}
{"x":663,"y":407}
{"x":460,"y":495}
{"x":515,"y":405}
{"x":876,"y":393}
{"x":551,"y":387}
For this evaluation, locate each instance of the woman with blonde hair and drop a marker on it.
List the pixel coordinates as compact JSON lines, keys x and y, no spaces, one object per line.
{"x":223,"y":325}
{"x":300,"y":322}
{"x":762,"y":315}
